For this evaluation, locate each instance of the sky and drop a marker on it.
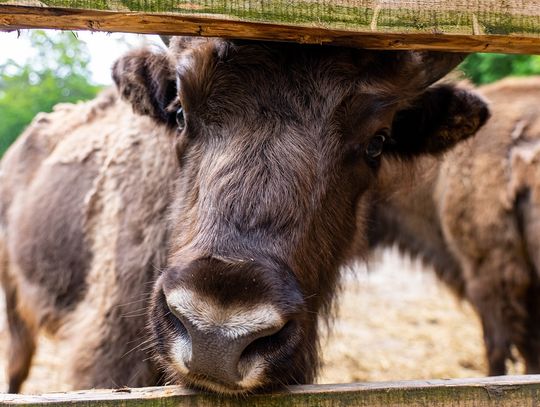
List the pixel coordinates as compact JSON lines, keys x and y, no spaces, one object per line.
{"x":104,"y":48}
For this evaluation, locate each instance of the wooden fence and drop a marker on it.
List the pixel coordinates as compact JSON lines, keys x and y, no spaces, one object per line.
{"x":506,"y":391}
{"x":511,"y":26}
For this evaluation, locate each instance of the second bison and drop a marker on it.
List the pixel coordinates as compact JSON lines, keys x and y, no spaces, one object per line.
{"x":475,"y":217}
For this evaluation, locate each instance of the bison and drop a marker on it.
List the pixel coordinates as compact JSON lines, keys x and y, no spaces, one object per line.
{"x":194,"y":234}
{"x":474,"y":217}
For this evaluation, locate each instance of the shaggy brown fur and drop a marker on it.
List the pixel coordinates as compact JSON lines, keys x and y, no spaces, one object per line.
{"x":237,"y":232}
{"x":87,"y":179}
{"x":474,"y":217}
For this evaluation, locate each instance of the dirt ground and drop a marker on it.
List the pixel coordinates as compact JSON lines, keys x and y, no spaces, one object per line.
{"x":395,"y":322}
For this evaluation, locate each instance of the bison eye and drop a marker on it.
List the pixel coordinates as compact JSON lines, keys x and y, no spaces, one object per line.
{"x":375,"y":146}
{"x":180,"y":119}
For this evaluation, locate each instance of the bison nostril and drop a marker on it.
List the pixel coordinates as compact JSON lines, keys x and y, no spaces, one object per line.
{"x":180,"y":343}
{"x":177,"y":322}
{"x":270,"y":343}
{"x":178,"y":325}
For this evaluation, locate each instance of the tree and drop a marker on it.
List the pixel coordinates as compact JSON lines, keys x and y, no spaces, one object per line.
{"x":58,"y":72}
{"x":487,"y":68}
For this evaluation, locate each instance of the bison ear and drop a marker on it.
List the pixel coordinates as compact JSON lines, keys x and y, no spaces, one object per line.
{"x":146,"y":79}
{"x":438,"y":119}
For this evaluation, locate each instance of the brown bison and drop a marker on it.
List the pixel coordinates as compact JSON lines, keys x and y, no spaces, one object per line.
{"x":475,"y":218}
{"x":199,"y":240}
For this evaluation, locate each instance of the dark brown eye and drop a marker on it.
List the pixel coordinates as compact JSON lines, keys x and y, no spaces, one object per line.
{"x":180,"y":119}
{"x":375,"y":146}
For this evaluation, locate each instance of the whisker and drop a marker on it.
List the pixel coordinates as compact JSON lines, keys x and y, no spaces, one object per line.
{"x":138,"y":346}
{"x":134,"y":315}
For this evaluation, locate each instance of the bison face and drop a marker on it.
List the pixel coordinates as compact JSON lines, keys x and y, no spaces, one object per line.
{"x":278,"y":148}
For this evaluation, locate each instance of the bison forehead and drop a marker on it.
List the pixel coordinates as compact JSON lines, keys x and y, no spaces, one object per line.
{"x":271,"y":81}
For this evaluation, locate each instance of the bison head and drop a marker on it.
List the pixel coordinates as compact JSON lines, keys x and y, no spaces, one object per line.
{"x":279,"y":147}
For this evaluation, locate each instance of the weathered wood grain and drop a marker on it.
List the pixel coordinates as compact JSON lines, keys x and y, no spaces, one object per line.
{"x":455,"y":25}
{"x":510,"y":391}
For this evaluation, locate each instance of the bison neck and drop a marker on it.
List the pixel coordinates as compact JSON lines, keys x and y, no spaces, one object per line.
{"x":409,"y":220}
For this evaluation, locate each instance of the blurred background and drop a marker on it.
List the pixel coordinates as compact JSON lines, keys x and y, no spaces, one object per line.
{"x":394,"y":320}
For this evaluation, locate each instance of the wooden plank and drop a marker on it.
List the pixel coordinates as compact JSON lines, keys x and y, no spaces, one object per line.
{"x":455,"y":25}
{"x":509,"y":391}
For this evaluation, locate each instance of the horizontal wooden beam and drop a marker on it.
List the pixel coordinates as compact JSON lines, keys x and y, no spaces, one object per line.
{"x":509,"y":391}
{"x":511,"y":26}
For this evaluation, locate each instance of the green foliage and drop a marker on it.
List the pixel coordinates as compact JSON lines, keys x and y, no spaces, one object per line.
{"x":58,"y":72}
{"x":487,"y":68}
